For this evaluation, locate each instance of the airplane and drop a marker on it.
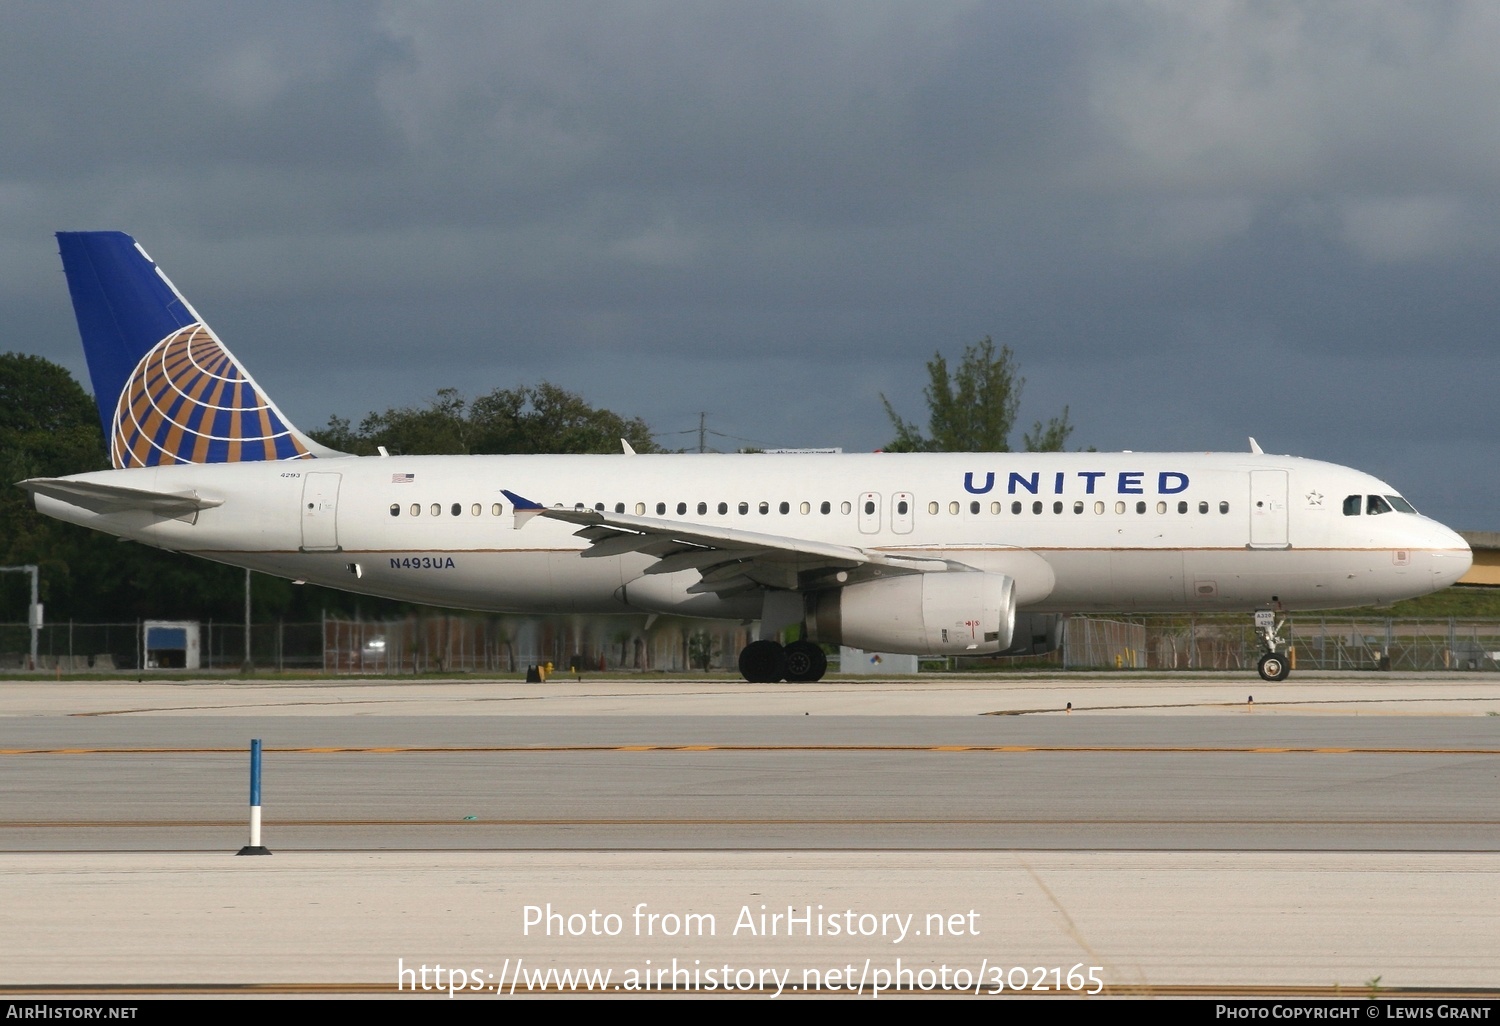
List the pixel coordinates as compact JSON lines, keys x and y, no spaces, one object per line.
{"x":916,"y":553}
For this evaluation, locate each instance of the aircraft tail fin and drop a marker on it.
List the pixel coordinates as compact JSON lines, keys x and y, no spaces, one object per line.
{"x":168,"y":390}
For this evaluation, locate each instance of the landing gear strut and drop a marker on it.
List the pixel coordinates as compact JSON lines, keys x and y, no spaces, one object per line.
{"x":766,"y":662}
{"x":1274,"y":665}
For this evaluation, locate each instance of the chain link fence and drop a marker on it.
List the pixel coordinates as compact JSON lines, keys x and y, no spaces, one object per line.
{"x":1314,"y":643}
{"x":416,"y":644}
{"x":511,"y":644}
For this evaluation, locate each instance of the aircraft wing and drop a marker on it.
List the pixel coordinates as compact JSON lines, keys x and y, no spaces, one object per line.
{"x":728,"y":559}
{"x":105,"y":498}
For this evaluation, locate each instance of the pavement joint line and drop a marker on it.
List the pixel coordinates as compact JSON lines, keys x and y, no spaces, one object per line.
{"x":732,"y":747}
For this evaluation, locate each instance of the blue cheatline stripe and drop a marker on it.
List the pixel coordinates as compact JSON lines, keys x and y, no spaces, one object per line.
{"x":255,"y":773}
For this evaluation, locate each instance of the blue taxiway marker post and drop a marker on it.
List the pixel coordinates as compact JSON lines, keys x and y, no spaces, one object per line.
{"x":254,"y":847}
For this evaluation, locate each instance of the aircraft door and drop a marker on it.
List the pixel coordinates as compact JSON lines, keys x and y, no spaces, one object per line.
{"x":902,"y":508}
{"x":1268,"y":510}
{"x":320,"y":509}
{"x":869,"y":512}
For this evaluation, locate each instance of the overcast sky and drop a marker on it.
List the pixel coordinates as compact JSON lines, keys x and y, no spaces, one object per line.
{"x":1192,"y":222}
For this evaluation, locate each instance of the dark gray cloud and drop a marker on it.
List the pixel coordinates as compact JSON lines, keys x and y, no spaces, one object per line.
{"x":1192,"y":222}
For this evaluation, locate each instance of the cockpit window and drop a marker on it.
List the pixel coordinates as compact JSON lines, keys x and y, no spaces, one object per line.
{"x":1400,"y":504}
{"x":1352,"y":505}
{"x":1375,"y":504}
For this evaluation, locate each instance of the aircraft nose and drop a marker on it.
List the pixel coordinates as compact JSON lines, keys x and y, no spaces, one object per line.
{"x":1451,"y":555}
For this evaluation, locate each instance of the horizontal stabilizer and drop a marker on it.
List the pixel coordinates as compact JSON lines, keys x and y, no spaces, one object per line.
{"x":103,"y":498}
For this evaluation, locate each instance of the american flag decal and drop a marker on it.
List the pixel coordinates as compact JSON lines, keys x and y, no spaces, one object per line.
{"x":403,"y":478}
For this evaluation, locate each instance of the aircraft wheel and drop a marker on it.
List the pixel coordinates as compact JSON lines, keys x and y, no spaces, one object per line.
{"x":805,"y":662}
{"x":1274,"y":667}
{"x":763,"y":662}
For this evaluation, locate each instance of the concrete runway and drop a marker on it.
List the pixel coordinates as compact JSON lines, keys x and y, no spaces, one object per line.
{"x":1337,"y":830}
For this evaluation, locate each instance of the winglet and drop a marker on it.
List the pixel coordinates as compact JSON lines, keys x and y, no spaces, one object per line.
{"x":525,"y":508}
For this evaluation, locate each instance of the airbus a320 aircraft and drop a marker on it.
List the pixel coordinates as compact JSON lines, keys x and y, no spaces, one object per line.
{"x":930,"y":554}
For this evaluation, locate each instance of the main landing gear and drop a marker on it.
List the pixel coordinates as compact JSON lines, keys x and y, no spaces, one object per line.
{"x":1275,"y":665}
{"x":766,"y":662}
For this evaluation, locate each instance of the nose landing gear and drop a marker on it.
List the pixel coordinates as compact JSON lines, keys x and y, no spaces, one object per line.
{"x":1275,"y":664}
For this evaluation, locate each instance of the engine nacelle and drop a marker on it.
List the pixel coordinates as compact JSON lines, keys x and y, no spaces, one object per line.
{"x":947,"y":613}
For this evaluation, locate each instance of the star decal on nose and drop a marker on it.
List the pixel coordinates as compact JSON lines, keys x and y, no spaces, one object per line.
{"x":1315,"y":498}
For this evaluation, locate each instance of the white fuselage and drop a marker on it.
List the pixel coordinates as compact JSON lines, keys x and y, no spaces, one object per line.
{"x":1076,"y":531}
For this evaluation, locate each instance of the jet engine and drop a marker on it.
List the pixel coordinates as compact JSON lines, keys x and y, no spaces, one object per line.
{"x":945,"y":613}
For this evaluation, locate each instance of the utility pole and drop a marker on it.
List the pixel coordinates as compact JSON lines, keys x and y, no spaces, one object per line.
{"x":248,"y":666}
{"x":33,"y":611}
{"x":702,"y":431}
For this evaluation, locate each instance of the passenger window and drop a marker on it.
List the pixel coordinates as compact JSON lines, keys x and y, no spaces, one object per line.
{"x":932,"y":507}
{"x":901,"y":507}
{"x":661,"y":507}
{"x":1203,"y":506}
{"x":785,"y":508}
{"x":805,"y":508}
{"x":599,"y":506}
{"x":1015,"y":507}
{"x":457,"y":510}
{"x":475,"y":509}
{"x":437,"y":510}
{"x":1098,"y":507}
{"x":1375,"y":505}
{"x":1223,"y":507}
{"x":395,"y":509}
{"x":1078,"y":506}
{"x":496,"y":509}
{"x":1036,"y":507}
{"x":619,"y":507}
{"x":765,"y":507}
{"x":845,"y":507}
{"x":1161,"y":507}
{"x":1120,"y":506}
{"x":1182,"y":507}
{"x":702,"y":509}
{"x":994,"y":509}
{"x":640,"y":509}
{"x":723,"y":508}
{"x":825,"y":509}
{"x":744,"y":508}
{"x":1140,"y":507}
{"x":416,"y":510}
{"x":870,"y":507}
{"x":973,"y":507}
{"x":1057,"y":507}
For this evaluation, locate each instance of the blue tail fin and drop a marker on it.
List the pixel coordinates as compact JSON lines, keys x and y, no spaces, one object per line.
{"x":167,"y":388}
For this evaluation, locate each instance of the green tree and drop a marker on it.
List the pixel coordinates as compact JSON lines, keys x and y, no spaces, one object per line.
{"x":532,"y":419}
{"x":973,"y":408}
{"x":49,"y":427}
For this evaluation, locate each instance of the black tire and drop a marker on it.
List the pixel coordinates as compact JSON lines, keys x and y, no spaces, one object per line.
{"x":805,"y":662}
{"x":763,"y":662}
{"x":1274,"y":666}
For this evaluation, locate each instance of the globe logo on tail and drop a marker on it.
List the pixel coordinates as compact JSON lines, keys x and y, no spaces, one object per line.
{"x":189,"y":401}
